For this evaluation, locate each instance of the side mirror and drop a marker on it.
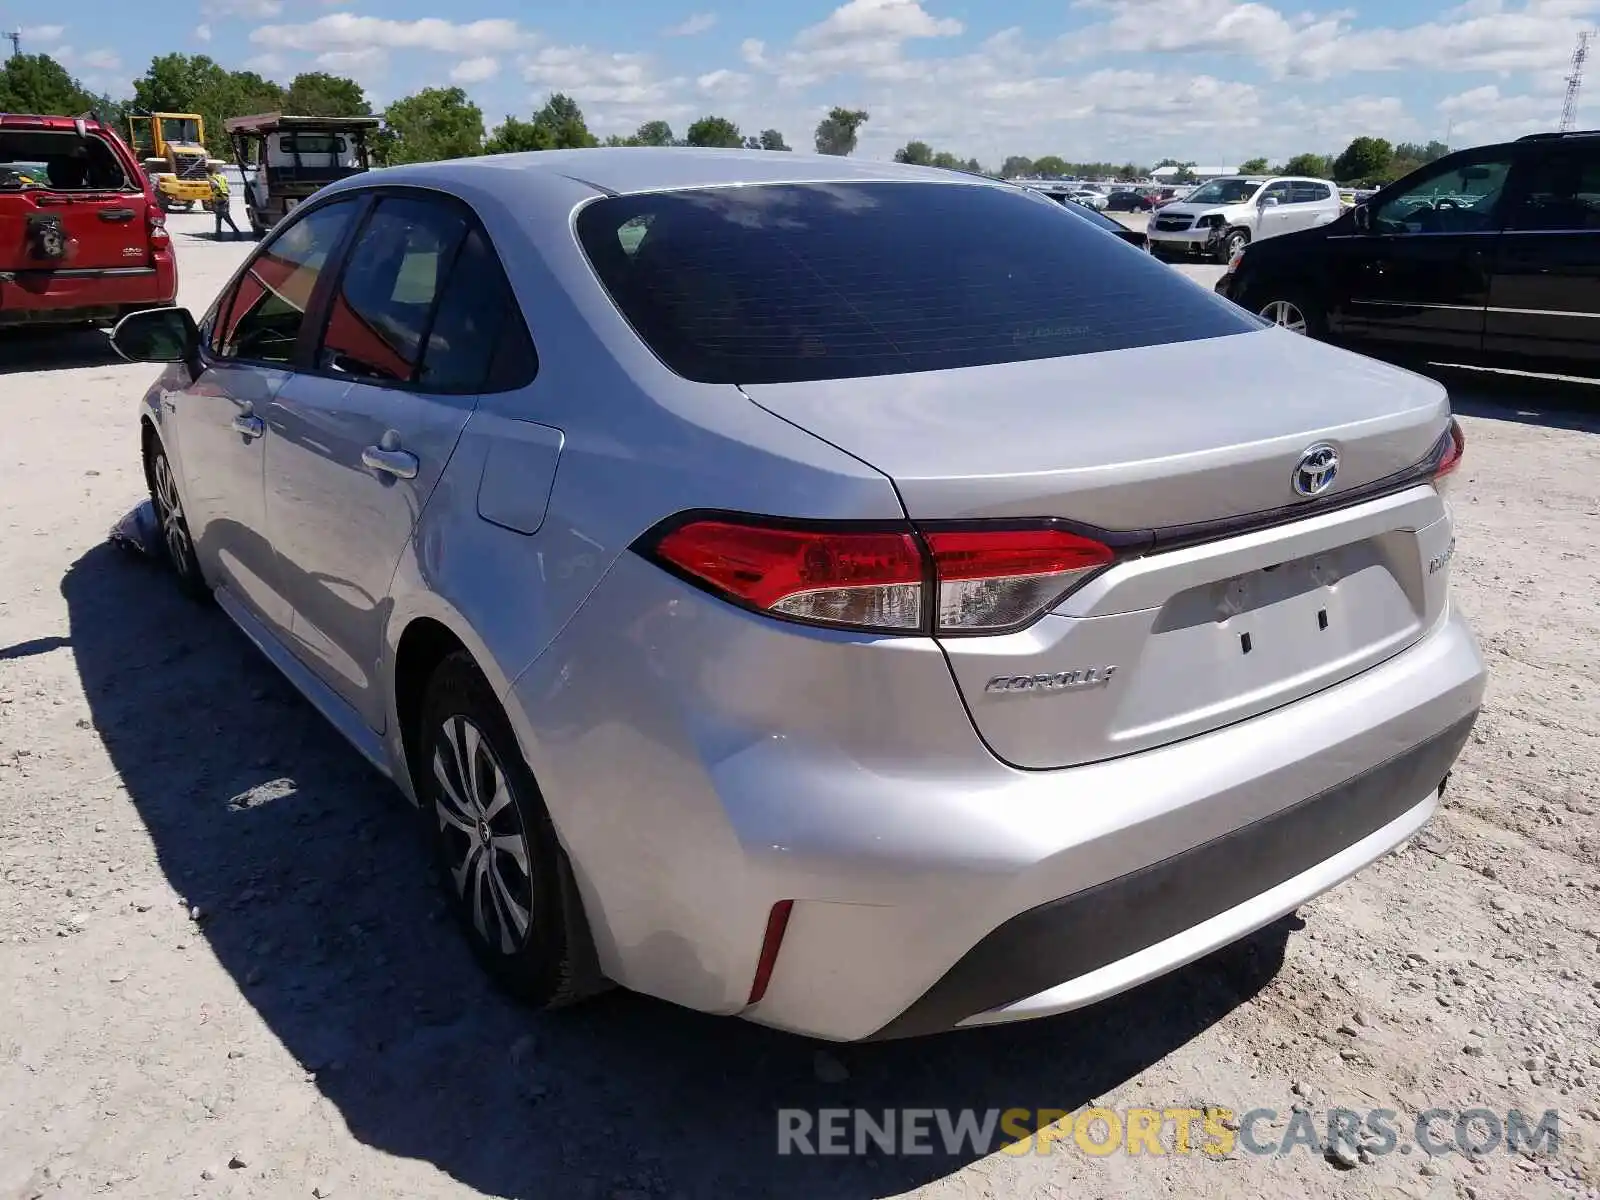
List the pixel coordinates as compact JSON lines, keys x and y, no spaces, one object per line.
{"x":1269,"y":202}
{"x":1363,"y":218}
{"x":157,"y":335}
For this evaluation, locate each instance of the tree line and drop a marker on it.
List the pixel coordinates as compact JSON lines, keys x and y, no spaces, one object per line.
{"x":433,"y":123}
{"x":443,"y":122}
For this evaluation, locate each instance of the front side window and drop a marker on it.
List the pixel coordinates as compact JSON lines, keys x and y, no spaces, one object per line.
{"x":379,"y":314}
{"x":269,"y":303}
{"x":1560,"y":190}
{"x":778,"y":283}
{"x":1276,"y":191}
{"x":1458,"y":199}
{"x":1223,"y":191}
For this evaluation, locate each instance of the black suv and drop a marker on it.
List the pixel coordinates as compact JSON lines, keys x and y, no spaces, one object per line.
{"x":1489,"y":252}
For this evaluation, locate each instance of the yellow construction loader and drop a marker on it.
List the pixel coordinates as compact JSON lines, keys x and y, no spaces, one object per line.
{"x":172,"y":147}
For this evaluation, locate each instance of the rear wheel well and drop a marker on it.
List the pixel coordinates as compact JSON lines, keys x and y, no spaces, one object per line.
{"x":149,"y":439}
{"x":423,"y":646}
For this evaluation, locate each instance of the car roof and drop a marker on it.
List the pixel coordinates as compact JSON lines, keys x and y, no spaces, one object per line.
{"x":629,"y":169}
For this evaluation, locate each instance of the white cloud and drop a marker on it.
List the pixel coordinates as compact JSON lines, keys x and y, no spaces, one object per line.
{"x":723,"y":84}
{"x":698,"y":23}
{"x":357,"y":64}
{"x":202,"y":32}
{"x":346,"y":31}
{"x":475,"y":70}
{"x":585,"y":74}
{"x":862,"y":36}
{"x":102,"y":60}
{"x":1479,"y":35}
{"x":268,"y":65}
{"x":258,"y":9}
{"x":43,"y":35}
{"x":1484,"y":114}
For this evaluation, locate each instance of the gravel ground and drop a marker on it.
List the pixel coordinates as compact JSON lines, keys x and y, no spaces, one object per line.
{"x":227,"y":976}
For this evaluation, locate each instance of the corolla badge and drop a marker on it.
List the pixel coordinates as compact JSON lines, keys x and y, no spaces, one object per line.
{"x":1316,"y":470}
{"x":1055,"y":681}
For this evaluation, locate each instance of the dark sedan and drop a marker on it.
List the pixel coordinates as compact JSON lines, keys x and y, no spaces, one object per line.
{"x":1129,"y":200}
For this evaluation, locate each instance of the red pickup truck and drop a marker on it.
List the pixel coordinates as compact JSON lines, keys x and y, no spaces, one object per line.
{"x":82,"y":239}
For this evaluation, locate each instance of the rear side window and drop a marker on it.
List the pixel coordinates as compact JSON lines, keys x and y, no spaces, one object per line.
{"x":379,"y":315}
{"x":780,"y":283}
{"x":1560,"y":190}
{"x":478,"y":323}
{"x":59,"y":161}
{"x":1308,"y":193}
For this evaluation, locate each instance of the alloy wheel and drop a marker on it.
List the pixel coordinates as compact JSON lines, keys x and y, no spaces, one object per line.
{"x":482,"y":837}
{"x":1286,"y":314}
{"x":169,"y":509}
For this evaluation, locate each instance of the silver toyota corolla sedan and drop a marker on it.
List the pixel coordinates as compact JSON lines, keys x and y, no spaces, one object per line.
{"x":863,"y":599}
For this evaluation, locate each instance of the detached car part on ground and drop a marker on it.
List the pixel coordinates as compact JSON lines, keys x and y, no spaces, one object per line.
{"x":83,"y":240}
{"x":837,"y":657}
{"x":1491,"y":253}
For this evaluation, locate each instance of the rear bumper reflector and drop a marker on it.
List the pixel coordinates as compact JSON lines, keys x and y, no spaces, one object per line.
{"x":777,"y":925}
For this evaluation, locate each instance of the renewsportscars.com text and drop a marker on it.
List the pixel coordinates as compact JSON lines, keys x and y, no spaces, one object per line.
{"x":1216,"y":1132}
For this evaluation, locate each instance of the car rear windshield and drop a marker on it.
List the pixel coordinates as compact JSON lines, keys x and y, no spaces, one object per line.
{"x":780,"y":283}
{"x":59,"y":161}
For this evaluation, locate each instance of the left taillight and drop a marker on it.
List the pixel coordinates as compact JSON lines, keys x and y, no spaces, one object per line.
{"x":976,"y":578}
{"x":1450,"y":456}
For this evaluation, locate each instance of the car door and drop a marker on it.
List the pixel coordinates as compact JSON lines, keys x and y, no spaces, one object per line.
{"x":361,"y":438}
{"x":1544,"y":297}
{"x":1274,"y":213}
{"x":1418,"y":271}
{"x":220,"y":418}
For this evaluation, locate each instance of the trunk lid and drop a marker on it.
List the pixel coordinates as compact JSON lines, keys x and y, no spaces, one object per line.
{"x":53,"y":218}
{"x":1183,"y":439}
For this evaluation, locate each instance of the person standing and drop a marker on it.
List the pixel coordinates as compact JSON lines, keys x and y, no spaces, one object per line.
{"x":220,"y":207}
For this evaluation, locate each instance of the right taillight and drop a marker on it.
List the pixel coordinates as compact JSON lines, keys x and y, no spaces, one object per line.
{"x":156,"y":222}
{"x":1450,"y":459}
{"x":974,"y":578}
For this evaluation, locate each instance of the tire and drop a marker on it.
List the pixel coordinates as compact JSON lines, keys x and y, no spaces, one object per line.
{"x":176,"y":541}
{"x":1288,"y":308}
{"x":1236,"y":241}
{"x":499,"y":862}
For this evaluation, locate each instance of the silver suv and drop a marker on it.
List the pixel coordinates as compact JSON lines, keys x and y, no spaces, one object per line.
{"x":813,"y":589}
{"x":1222,"y":217}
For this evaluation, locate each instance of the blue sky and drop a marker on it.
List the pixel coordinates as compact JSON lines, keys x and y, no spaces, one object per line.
{"x":1211,"y":80}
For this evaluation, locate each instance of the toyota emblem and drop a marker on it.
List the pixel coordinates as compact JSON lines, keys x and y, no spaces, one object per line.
{"x":1316,"y":470}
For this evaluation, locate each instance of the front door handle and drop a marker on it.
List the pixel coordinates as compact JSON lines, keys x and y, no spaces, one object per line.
{"x":250,"y":425}
{"x":402,"y":464}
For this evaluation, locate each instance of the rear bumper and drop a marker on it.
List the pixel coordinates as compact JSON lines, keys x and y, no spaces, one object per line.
{"x":702,"y":763}
{"x":1129,"y":929}
{"x":76,"y":296}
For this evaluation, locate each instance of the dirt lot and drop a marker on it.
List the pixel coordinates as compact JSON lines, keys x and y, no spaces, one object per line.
{"x":226,"y":975}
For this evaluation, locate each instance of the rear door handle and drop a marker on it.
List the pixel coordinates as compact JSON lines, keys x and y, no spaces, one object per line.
{"x":249,"y":425}
{"x":402,"y":464}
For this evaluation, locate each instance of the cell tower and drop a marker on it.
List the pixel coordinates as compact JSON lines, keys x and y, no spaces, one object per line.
{"x":15,"y":38}
{"x":1569,"y":109}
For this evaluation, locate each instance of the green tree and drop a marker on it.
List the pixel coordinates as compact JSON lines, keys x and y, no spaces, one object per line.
{"x":1314,"y":165}
{"x":1016,"y":167}
{"x":561,"y":124}
{"x":1421,"y":154}
{"x":432,"y":124}
{"x":37,"y":83}
{"x":654,"y":133}
{"x":1364,"y":158}
{"x":194,"y":83}
{"x":514,"y":136}
{"x":771,"y":139}
{"x":1185,"y":174}
{"x":918,"y":154}
{"x":1050,"y":166}
{"x":714,"y":131}
{"x":836,"y":132}
{"x":318,"y":94}
{"x":1254,"y":166}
